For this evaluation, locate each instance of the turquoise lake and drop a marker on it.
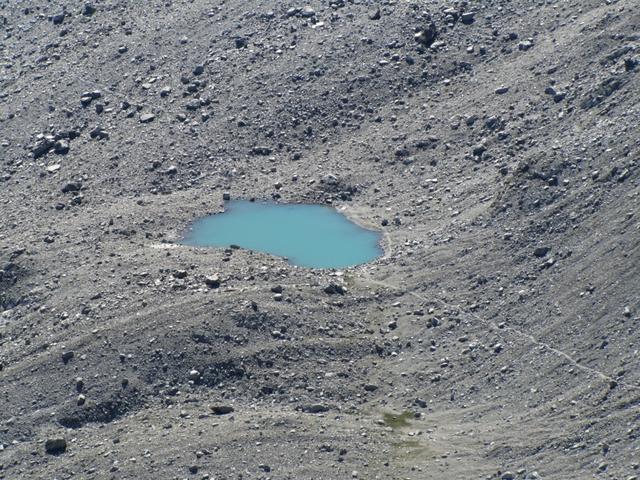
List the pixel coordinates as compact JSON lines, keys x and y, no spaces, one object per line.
{"x":313,"y":236}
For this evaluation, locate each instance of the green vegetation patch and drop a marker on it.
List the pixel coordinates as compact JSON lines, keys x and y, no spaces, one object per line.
{"x":411,"y":450}
{"x":397,"y":421}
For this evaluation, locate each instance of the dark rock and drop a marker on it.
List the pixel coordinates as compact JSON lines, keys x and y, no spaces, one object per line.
{"x":222,"y":409}
{"x":61,"y":147}
{"x":55,"y":446}
{"x":261,"y":151}
{"x":212,"y":281}
{"x":88,"y":10}
{"x":70,"y":421}
{"x":451,"y":14}
{"x":43,"y":144}
{"x":427,"y":35}
{"x":315,"y":408}
{"x":334,"y":288}
{"x":630,"y":64}
{"x":180,"y":274}
{"x":541,"y":251}
{"x":66,"y":356}
{"x":525,"y":45}
{"x":560,"y":96}
{"x":468,"y":18}
{"x":193,"y":105}
{"x":99,"y":133}
{"x":478,"y":150}
{"x":72,"y":187}
{"x":58,"y":18}
{"x":293,"y":11}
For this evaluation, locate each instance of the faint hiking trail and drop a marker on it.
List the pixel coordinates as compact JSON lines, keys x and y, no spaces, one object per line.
{"x":612,"y":381}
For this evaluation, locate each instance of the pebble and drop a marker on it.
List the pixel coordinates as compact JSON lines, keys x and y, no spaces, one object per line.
{"x":61,"y":147}
{"x":525,"y":45}
{"x":212,"y":281}
{"x":88,"y":10}
{"x":58,"y":18}
{"x":147,"y":117}
{"x":99,"y":133}
{"x":66,"y":356}
{"x":468,"y":18}
{"x":308,"y":12}
{"x":427,"y":36}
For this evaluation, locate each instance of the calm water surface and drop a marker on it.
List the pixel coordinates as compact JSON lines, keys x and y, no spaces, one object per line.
{"x":313,"y":236}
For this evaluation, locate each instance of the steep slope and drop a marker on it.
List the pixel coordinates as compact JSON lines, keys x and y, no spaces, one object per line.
{"x":494,"y":143}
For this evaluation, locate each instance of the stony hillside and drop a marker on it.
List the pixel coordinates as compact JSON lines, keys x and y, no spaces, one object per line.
{"x":496,"y":144}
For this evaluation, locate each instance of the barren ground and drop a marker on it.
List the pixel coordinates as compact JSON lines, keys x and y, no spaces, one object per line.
{"x":498,"y":150}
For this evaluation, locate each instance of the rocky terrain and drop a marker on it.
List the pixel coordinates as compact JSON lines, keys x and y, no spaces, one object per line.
{"x":495,"y":143}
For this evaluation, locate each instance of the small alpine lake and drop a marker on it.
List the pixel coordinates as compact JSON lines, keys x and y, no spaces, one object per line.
{"x":312,"y":236}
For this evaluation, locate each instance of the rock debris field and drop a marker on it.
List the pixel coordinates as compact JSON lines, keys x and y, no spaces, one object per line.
{"x":494,"y":144}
